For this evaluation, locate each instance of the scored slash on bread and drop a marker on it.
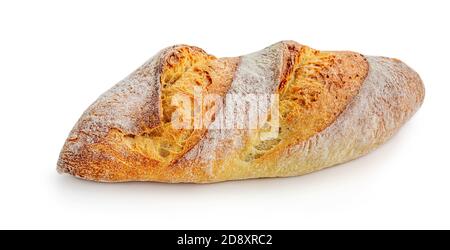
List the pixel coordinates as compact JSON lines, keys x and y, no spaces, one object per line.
{"x":333,"y":107}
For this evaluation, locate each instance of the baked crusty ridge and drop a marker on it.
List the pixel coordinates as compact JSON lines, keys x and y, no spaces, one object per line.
{"x":338,"y":106}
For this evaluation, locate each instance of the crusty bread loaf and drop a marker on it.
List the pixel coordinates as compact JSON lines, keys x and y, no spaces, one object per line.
{"x":327,"y":108}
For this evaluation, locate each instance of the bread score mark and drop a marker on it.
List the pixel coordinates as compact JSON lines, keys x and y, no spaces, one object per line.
{"x":315,"y":88}
{"x":186,"y":70}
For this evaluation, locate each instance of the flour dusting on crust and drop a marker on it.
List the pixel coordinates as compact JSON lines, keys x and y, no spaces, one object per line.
{"x":258,"y":74}
{"x":97,"y":147}
{"x":389,"y":96}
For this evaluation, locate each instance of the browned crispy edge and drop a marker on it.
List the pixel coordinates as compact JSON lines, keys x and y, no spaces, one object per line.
{"x":94,"y":149}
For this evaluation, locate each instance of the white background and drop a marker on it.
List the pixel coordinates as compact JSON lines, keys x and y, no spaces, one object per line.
{"x":57,"y":57}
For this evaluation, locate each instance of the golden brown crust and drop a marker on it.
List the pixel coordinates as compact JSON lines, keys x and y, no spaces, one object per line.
{"x":126,"y":134}
{"x":315,"y":88}
{"x":120,"y":153}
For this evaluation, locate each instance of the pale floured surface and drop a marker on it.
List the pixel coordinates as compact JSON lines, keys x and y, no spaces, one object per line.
{"x":126,"y":107}
{"x":390,"y":95}
{"x":258,"y":73}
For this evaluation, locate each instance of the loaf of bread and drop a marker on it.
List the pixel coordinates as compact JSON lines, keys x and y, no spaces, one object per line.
{"x":287,"y":110}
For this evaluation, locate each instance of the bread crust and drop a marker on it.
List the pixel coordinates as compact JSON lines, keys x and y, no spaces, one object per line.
{"x":367,"y":111}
